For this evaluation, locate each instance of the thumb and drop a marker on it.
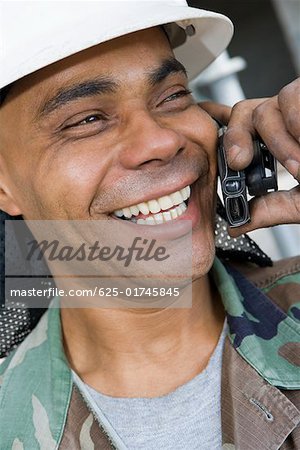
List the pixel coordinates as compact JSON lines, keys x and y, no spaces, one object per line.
{"x":276,"y":208}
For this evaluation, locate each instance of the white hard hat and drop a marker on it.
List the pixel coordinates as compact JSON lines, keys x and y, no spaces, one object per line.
{"x":35,"y":34}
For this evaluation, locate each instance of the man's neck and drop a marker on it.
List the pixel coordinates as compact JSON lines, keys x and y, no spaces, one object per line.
{"x":143,"y":353}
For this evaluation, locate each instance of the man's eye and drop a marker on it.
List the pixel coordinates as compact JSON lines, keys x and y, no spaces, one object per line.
{"x":92,"y":118}
{"x":176,"y":95}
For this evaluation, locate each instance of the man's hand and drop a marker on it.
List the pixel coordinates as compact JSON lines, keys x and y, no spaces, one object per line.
{"x":277,"y":121}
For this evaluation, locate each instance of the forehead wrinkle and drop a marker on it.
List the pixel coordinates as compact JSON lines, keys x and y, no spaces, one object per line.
{"x":88,"y":88}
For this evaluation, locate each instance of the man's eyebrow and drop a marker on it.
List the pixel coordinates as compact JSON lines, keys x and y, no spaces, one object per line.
{"x":85,"y":89}
{"x":168,"y":67}
{"x":104,"y":85}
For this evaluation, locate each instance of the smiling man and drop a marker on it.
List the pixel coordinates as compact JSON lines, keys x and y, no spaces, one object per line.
{"x":97,"y":123}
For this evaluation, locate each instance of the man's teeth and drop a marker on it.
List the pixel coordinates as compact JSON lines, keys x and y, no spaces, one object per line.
{"x":165,"y":216}
{"x":156,"y":209}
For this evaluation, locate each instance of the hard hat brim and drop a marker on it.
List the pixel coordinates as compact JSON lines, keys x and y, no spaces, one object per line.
{"x":61,"y":32}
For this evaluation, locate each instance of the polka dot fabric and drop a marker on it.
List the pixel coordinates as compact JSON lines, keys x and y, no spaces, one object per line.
{"x":239,"y":249}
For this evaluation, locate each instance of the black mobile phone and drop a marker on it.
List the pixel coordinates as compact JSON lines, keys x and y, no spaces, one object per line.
{"x":259,"y":178}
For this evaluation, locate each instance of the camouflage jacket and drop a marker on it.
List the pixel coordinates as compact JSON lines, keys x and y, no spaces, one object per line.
{"x":41,"y":408}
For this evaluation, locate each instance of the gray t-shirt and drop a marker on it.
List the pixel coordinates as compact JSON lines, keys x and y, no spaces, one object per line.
{"x":187,"y":418}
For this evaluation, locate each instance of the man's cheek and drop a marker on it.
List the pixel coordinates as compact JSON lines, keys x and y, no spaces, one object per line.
{"x":199,"y":128}
{"x":80,"y":171}
{"x":201,"y":117}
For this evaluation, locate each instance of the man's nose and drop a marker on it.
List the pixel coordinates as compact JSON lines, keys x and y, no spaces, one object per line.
{"x":149,"y":141}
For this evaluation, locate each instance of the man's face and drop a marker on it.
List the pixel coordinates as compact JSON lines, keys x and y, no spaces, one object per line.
{"x":108,"y":128}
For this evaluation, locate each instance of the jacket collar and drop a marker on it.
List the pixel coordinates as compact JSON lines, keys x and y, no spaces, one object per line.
{"x":259,"y":330}
{"x":36,"y":388}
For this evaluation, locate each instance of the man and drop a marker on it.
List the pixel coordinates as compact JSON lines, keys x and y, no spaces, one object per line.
{"x":89,"y":127}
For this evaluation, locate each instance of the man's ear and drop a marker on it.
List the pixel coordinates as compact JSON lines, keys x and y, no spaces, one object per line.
{"x":7,"y":202}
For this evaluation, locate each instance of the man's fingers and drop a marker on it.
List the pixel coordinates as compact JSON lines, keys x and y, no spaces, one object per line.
{"x":240,"y":133}
{"x":238,"y":143}
{"x":217,"y":111}
{"x":272,"y":209}
{"x":269,"y":122}
{"x":289,"y":104}
{"x":274,"y":119}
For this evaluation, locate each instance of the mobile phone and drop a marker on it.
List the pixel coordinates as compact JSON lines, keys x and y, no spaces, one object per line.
{"x":259,"y":178}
